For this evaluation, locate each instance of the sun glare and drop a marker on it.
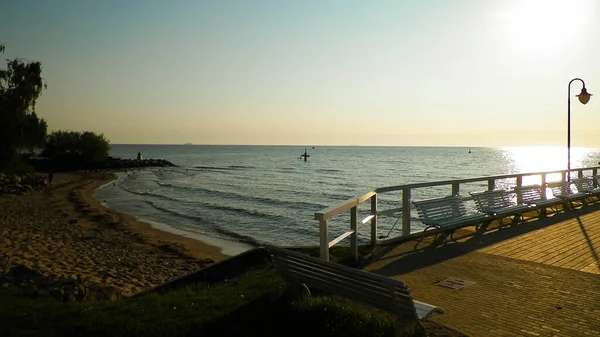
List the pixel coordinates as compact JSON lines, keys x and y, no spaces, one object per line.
{"x":540,"y":159}
{"x":540,"y":26}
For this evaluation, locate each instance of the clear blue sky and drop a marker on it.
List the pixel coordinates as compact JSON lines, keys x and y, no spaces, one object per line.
{"x":428,"y":72}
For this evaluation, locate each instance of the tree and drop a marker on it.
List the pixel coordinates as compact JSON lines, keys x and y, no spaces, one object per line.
{"x":81,"y":147}
{"x":21,"y":84}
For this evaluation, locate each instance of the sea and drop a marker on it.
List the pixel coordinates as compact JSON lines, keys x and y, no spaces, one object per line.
{"x":249,"y":195}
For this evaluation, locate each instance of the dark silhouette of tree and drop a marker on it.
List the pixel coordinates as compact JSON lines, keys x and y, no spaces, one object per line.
{"x":21,"y":84}
{"x":83,"y":147}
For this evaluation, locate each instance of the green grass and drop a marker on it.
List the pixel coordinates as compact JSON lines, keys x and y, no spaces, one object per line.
{"x":257,"y":304}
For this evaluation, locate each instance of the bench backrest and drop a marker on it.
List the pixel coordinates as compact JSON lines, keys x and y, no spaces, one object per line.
{"x":379,"y":291}
{"x":529,"y":193}
{"x":489,"y":200}
{"x":583,"y":184}
{"x":433,"y":210}
{"x":560,"y":187}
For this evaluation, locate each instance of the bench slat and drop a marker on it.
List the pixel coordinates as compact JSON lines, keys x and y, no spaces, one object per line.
{"x":445,"y":212}
{"x":388,"y":298}
{"x":387,"y":304}
{"x":562,"y":190}
{"x":379,"y":291}
{"x":532,"y":194}
{"x":586,"y":185}
{"x":497,"y":203}
{"x":354,"y":282}
{"x":358,"y":286}
{"x":331,"y":266}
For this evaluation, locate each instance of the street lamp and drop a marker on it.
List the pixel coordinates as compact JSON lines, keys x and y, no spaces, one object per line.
{"x":583,"y":97}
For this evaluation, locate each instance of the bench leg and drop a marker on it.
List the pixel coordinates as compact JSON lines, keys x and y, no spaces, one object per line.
{"x":482,"y":227}
{"x":306,"y":289}
{"x":542,"y":212}
{"x":444,"y":237}
{"x":422,"y":236}
{"x":516,"y":219}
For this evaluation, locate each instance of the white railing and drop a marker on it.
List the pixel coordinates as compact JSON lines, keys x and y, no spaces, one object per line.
{"x":324,"y":216}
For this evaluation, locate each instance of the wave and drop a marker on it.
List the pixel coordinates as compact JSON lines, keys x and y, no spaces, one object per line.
{"x":220,"y":230}
{"x":241,"y":167}
{"x":170,"y":211}
{"x":328,"y":170}
{"x":225,"y":168}
{"x":242,"y":197}
{"x":233,"y":209}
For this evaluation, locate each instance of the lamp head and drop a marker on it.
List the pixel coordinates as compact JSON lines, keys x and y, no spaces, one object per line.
{"x":584,"y":97}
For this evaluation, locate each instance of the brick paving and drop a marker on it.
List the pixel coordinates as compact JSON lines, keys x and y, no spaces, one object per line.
{"x":540,"y":278}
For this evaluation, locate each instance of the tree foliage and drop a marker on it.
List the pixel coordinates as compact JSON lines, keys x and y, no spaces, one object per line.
{"x":21,"y":84}
{"x":84,"y":147}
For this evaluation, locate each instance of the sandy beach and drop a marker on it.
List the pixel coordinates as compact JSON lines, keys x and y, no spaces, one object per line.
{"x":63,"y":232}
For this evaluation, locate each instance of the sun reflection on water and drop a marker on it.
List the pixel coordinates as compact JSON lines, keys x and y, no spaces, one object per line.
{"x":540,"y":159}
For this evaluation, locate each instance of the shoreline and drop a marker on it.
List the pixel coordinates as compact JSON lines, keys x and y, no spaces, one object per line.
{"x":65,"y":233}
{"x":227,"y":247}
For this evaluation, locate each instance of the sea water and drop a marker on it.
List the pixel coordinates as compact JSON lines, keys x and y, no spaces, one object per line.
{"x":269,"y":194}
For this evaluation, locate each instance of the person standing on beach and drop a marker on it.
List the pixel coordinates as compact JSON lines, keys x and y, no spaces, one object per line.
{"x":50,"y":177}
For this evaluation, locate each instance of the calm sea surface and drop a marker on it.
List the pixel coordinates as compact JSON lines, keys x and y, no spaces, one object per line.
{"x":268,"y":194}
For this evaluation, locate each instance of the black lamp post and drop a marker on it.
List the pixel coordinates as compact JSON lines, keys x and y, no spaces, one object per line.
{"x":584,"y":97}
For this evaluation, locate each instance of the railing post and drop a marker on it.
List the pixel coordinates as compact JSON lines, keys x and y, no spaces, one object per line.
{"x":455,"y":188}
{"x":354,"y":236}
{"x":374,"y":220}
{"x":324,"y":231}
{"x":580,"y":173}
{"x":491,"y":184}
{"x":594,"y":173}
{"x":543,"y":185}
{"x":405,"y":211}
{"x":519,"y":184}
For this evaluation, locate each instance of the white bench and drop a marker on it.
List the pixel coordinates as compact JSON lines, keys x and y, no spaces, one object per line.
{"x":532,"y":196}
{"x":562,"y":190}
{"x":378,"y":291}
{"x":497,"y":204}
{"x":586,"y":185}
{"x":447,"y":214}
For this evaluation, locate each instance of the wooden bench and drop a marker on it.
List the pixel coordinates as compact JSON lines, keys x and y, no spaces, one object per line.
{"x":532,"y":195}
{"x":447,"y":214}
{"x":378,"y":291}
{"x":562,"y":190}
{"x":498,"y":204}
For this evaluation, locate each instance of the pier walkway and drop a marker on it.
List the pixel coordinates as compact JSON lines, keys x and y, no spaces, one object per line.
{"x":540,"y":278}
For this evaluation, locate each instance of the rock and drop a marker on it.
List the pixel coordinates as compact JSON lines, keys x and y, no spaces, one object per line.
{"x":19,"y":185}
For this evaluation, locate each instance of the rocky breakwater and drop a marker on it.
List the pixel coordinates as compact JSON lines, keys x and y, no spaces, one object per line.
{"x":119,"y":163}
{"x":21,"y":184}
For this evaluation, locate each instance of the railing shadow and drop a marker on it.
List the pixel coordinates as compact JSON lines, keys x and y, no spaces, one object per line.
{"x":589,"y":242}
{"x":410,"y":259}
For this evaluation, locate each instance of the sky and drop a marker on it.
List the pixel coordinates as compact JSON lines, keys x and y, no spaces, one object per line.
{"x":314,"y":72}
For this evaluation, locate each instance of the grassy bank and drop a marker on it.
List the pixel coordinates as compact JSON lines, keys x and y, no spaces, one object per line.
{"x":253,"y":305}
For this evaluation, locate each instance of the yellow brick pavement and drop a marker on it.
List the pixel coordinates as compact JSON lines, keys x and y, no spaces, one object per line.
{"x":540,"y":278}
